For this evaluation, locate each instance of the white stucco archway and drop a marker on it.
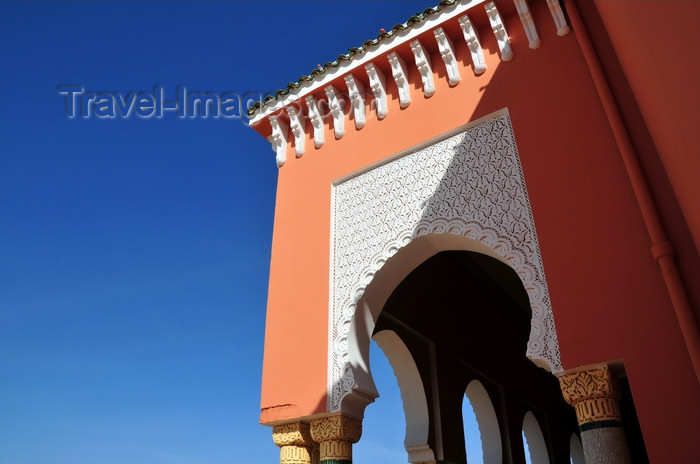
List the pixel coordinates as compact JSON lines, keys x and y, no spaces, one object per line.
{"x":463,"y":191}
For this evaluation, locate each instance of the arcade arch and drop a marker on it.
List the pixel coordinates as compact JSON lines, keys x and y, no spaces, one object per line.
{"x":534,"y":440}
{"x":487,"y":421}
{"x":457,"y":322}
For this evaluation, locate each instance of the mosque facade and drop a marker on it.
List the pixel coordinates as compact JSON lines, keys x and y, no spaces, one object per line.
{"x":503,"y":196}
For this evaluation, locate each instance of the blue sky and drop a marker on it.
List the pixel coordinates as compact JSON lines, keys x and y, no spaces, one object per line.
{"x":134,"y":252}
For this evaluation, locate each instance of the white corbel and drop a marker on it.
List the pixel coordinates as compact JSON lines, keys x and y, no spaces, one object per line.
{"x":398,"y":70}
{"x":533,"y":37}
{"x":448,"y":56}
{"x":377,"y":83}
{"x":297,"y":123}
{"x":355,"y":92}
{"x":423,"y":65}
{"x":278,"y":139}
{"x":558,"y":15}
{"x":472,"y":39}
{"x":336,"y":111}
{"x":316,"y":121}
{"x":499,"y":31}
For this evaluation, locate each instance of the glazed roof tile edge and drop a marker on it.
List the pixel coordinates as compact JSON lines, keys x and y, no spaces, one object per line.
{"x":275,"y":101}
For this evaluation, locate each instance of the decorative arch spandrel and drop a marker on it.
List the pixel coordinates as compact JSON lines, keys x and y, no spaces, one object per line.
{"x":468,"y":183}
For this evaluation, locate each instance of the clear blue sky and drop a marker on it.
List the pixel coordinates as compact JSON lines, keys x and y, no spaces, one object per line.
{"x":134,"y":252}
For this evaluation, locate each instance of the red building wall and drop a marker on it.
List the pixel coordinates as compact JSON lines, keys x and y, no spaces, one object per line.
{"x":607,"y":292}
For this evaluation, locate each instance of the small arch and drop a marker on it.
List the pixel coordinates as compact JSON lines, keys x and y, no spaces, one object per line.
{"x":415,"y":404}
{"x":383,"y":426}
{"x":472,"y":435}
{"x":478,"y":400}
{"x":576,"y":450}
{"x":533,"y":441}
{"x":356,"y":334}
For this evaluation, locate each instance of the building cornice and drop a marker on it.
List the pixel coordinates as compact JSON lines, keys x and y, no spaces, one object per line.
{"x":325,"y":88}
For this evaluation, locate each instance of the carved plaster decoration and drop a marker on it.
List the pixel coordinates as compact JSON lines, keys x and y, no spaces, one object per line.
{"x":533,"y":37}
{"x":558,"y":15}
{"x":278,"y":139}
{"x":316,"y":121}
{"x":336,"y":434}
{"x":423,"y":65}
{"x":293,"y":454}
{"x":297,"y":123}
{"x":398,"y":70}
{"x":377,"y":83}
{"x":295,"y":442}
{"x":448,"y":56}
{"x":499,"y":31}
{"x":296,"y":433}
{"x":592,"y":392}
{"x":355,"y":93}
{"x":469,"y":184}
{"x":337,"y":111}
{"x":472,"y":39}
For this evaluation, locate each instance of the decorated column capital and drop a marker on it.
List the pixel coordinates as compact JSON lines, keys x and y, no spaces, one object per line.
{"x":593,"y":392}
{"x":295,"y":442}
{"x":336,"y":434}
{"x":296,"y":433}
{"x":336,"y":428}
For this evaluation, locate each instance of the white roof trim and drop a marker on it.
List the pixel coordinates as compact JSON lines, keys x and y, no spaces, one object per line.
{"x":347,"y":66}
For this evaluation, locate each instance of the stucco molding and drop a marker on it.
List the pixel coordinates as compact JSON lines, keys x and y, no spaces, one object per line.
{"x":469,"y":184}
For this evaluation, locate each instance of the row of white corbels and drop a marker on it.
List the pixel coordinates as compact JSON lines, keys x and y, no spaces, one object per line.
{"x":377,"y":81}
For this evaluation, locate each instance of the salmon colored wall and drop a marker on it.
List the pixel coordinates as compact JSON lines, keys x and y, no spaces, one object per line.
{"x":675,"y":225}
{"x":607,"y":294}
{"x":655,"y":46}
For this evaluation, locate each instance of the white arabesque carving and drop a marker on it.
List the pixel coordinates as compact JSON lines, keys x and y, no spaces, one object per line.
{"x":316,"y":121}
{"x":448,"y":56}
{"x":558,"y":16}
{"x":337,"y":111}
{"x":278,"y":139}
{"x":297,"y":123}
{"x":472,"y":39}
{"x":533,"y":38}
{"x":499,"y":30}
{"x":377,"y":83}
{"x":355,"y":92}
{"x":468,"y":184}
{"x":423,"y":64}
{"x":398,"y":70}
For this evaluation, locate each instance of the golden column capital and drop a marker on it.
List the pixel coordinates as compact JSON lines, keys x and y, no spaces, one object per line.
{"x":336,"y":428}
{"x":336,"y":434}
{"x":593,"y":392}
{"x":296,"y":433}
{"x":294,"y":440}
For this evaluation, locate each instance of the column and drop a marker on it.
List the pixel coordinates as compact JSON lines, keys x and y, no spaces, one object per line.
{"x":594,"y":393}
{"x":296,"y":445}
{"x":335,"y":435}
